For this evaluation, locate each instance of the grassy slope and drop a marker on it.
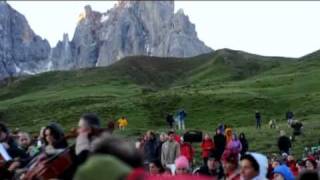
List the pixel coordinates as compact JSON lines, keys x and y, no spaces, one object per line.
{"x":224,"y":86}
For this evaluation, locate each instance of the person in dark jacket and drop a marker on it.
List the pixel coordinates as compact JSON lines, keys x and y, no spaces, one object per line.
{"x":297,"y":127}
{"x":213,"y":167}
{"x":284,"y":143}
{"x":219,"y":143}
{"x":17,"y":155}
{"x":150,"y":148}
{"x":244,"y":143}
{"x":258,"y":120}
{"x":170,"y":120}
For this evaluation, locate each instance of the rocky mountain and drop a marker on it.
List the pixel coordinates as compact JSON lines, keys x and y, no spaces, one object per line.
{"x":130,"y":28}
{"x":21,"y":50}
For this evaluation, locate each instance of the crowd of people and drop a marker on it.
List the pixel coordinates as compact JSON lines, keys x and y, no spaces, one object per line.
{"x":98,"y":154}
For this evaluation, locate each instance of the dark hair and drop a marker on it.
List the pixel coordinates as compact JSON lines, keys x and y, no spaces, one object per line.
{"x":170,"y":132}
{"x":3,"y":128}
{"x":152,"y":134}
{"x":157,"y":163}
{"x":252,"y":160}
{"x":307,"y":175}
{"x":91,"y":119}
{"x":242,"y":135}
{"x":58,"y":135}
{"x":230,"y":158}
{"x":312,"y":161}
{"x":120,"y":148}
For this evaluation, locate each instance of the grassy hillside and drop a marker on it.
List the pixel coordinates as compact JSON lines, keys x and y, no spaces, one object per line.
{"x":225,"y":86}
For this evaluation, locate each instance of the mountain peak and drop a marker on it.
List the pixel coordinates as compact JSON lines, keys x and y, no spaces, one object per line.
{"x":130,"y":28}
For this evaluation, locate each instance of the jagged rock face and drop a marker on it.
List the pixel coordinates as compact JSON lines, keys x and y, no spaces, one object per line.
{"x":130,"y":28}
{"x":21,"y":50}
{"x":133,"y":28}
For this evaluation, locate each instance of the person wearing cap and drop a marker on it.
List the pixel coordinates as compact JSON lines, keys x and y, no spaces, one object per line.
{"x":253,"y":166}
{"x":282,"y":172}
{"x":213,"y":168}
{"x":181,"y":165}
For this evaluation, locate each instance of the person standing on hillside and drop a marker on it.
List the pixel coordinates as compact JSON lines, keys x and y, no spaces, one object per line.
{"x":123,"y":123}
{"x":289,"y":117}
{"x":170,"y":120}
{"x":297,"y":127}
{"x":284,"y":143}
{"x":182,"y":118}
{"x":258,"y":120}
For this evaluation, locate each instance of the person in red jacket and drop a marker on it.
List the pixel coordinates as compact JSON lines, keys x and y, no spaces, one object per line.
{"x":292,"y":164}
{"x":207,"y":146}
{"x":187,"y":150}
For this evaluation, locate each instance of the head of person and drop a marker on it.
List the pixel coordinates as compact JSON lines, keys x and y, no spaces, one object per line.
{"x":119,"y":148}
{"x":4,"y":132}
{"x":163,"y":137}
{"x":182,"y":165}
{"x":242,"y":136}
{"x":213,"y":163}
{"x":150,"y":135}
{"x":171,"y":136}
{"x":155,"y":167}
{"x":282,"y":172}
{"x":41,"y":133}
{"x":275,"y":162}
{"x":308,"y":175}
{"x":218,"y":131}
{"x":24,"y":140}
{"x":253,"y":165}
{"x":310,"y":164}
{"x":230,"y":162}
{"x":234,"y":137}
{"x":290,"y":158}
{"x":88,"y":122}
{"x":206,"y":136}
{"x":99,"y":167}
{"x":53,"y":135}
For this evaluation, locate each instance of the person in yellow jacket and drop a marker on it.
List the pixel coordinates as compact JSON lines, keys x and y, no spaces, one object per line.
{"x":123,"y":123}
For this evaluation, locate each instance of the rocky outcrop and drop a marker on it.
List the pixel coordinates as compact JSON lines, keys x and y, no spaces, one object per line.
{"x":131,"y":28}
{"x":21,"y":50}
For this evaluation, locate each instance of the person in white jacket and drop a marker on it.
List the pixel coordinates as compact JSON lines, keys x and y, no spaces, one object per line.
{"x":253,"y":166}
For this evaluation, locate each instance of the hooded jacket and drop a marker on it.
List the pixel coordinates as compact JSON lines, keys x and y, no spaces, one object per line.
{"x":263,"y":166}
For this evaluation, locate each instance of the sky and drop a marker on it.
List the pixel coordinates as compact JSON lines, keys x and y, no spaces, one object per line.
{"x":270,"y":28}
